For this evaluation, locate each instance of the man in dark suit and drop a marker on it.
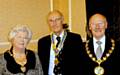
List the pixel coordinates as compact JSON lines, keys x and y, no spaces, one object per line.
{"x":63,"y":59}
{"x":101,"y":53}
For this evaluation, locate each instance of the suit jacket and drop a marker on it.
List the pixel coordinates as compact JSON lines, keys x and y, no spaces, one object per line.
{"x":70,"y":55}
{"x":110,"y":65}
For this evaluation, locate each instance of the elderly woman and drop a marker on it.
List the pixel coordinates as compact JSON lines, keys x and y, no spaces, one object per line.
{"x":19,"y":60}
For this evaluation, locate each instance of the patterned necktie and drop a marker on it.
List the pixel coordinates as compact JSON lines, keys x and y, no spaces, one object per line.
{"x":99,"y":50}
{"x":57,"y":67}
{"x":58,"y":41}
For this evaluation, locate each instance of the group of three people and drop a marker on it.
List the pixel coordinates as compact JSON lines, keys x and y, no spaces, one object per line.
{"x":62,"y":52}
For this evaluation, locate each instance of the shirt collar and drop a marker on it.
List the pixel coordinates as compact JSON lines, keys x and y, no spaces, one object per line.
{"x":101,"y":39}
{"x":61,"y":35}
{"x":102,"y":45}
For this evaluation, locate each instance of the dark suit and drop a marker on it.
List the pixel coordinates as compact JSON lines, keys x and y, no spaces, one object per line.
{"x":110,"y":65}
{"x":70,"y":54}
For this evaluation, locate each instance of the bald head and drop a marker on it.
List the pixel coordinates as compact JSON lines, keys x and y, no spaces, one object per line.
{"x":54,"y":13}
{"x":96,"y":17}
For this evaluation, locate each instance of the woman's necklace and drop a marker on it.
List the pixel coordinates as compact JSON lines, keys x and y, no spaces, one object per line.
{"x":98,"y":69}
{"x":20,"y":58}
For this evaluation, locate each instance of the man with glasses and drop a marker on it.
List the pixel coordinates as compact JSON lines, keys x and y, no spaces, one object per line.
{"x":60,"y":52}
{"x":101,"y":53}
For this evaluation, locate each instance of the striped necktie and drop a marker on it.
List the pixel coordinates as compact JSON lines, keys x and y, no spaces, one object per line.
{"x":99,"y":50}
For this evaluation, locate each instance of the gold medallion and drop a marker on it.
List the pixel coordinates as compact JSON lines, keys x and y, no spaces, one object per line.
{"x":23,"y":68}
{"x":56,"y":61}
{"x":99,"y":70}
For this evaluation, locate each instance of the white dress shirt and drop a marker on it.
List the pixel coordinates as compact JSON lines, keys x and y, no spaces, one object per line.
{"x":96,"y":45}
{"x":52,"y":55}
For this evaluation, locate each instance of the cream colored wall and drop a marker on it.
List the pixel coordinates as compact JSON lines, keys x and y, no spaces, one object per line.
{"x":33,"y":13}
{"x":79,"y":17}
{"x":30,"y":12}
{"x":78,"y":14}
{"x":63,"y":7}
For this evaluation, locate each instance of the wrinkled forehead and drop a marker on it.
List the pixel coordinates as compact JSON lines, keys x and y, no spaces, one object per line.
{"x":22,"y":33}
{"x":54,"y":15}
{"x":97,"y":18}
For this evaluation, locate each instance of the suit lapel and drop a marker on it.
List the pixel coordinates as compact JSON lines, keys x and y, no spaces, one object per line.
{"x":47,"y":53}
{"x":91,"y":47}
{"x":48,"y":45}
{"x":107,"y":46}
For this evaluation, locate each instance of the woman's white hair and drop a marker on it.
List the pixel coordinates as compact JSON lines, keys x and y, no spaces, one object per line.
{"x":17,"y":29}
